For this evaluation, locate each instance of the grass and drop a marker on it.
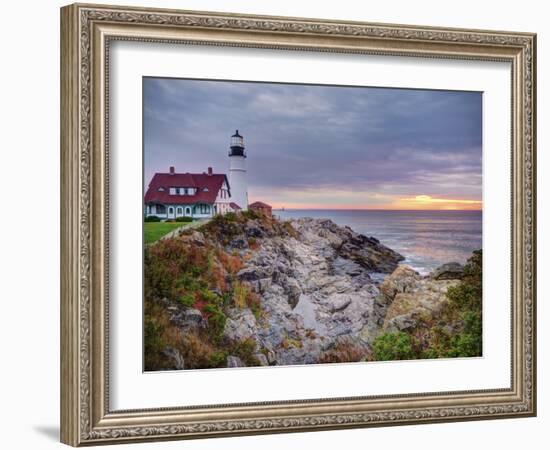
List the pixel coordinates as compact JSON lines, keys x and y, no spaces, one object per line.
{"x":153,"y":231}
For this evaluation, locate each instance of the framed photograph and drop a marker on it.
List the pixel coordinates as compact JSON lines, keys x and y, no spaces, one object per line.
{"x":275,"y":224}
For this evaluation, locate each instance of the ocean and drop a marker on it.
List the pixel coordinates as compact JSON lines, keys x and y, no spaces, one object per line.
{"x":426,"y":239}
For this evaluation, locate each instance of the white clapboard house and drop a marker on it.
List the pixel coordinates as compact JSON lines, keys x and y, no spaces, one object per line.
{"x":199,"y":195}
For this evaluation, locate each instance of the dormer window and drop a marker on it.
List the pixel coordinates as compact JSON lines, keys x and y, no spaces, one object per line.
{"x":161,"y":189}
{"x":205,"y":189}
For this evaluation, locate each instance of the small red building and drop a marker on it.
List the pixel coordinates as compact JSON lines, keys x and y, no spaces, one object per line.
{"x":261,"y":207}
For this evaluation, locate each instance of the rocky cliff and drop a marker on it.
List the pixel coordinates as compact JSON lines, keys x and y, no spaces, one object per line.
{"x":302,"y":292}
{"x":317,"y":288}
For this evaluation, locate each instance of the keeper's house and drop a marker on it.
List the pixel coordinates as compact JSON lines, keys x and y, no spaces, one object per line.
{"x":197,"y":195}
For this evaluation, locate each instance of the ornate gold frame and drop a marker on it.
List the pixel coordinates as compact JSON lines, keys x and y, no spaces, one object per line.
{"x":86,"y":31}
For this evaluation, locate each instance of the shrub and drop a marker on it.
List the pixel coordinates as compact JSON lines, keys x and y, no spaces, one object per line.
{"x":218,"y":358}
{"x":231,"y":263}
{"x":152,"y":219}
{"x":250,"y":214}
{"x":158,"y":333}
{"x":253,"y":243}
{"x":198,"y":353}
{"x":468,"y":342}
{"x":174,"y":268}
{"x":229,"y":217}
{"x":216,"y":321}
{"x":240,"y":292}
{"x":463,"y":314}
{"x":184,"y":219}
{"x":393,"y":346}
{"x":245,"y":350}
{"x":467,"y":294}
{"x":343,"y":352}
{"x":187,"y":300}
{"x":222,"y":228}
{"x":289,"y":229}
{"x":244,"y":297}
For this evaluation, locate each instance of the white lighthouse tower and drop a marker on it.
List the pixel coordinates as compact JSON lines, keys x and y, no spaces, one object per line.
{"x":237,"y":171}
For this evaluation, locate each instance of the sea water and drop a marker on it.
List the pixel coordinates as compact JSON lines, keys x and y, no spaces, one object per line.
{"x":426,"y":239}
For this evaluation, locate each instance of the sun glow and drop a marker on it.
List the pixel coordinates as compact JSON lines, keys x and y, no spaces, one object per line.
{"x":428,"y":202}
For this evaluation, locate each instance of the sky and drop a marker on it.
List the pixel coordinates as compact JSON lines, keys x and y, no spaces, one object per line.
{"x":322,"y":147}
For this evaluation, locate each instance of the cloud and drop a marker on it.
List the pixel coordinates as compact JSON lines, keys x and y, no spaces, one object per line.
{"x":302,"y":138}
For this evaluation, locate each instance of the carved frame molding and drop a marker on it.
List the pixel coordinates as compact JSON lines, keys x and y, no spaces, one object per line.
{"x":86,"y":32}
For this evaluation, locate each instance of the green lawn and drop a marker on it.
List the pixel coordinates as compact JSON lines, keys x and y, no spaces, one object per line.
{"x":153,"y":231}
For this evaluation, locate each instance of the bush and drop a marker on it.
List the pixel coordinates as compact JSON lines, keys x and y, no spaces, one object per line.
{"x":216,"y":321}
{"x":187,"y":300}
{"x":393,"y":346}
{"x":198,"y":353}
{"x":467,"y":295}
{"x":152,"y":219}
{"x":245,"y":350}
{"x":464,"y":313}
{"x":184,"y":219}
{"x":343,"y":352}
{"x":250,"y":214}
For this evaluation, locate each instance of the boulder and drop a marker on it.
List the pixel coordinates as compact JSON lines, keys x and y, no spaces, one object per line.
{"x":367,"y":252}
{"x":253,"y":273}
{"x":187,"y":319}
{"x":240,"y":324}
{"x":405,"y":322}
{"x":340,"y":302}
{"x":239,"y":242}
{"x":262,"y":359}
{"x":193,"y":315}
{"x":449,"y":271}
{"x":415,"y":299}
{"x":293,"y":290}
{"x":175,"y":358}
{"x":403,"y":279}
{"x":252,"y":229}
{"x":234,"y":361}
{"x":195,"y":237}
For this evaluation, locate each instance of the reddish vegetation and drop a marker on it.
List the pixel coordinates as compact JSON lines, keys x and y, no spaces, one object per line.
{"x":343,"y":351}
{"x":198,"y":269}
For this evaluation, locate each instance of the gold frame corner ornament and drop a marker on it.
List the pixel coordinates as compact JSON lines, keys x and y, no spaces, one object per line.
{"x":86,"y":32}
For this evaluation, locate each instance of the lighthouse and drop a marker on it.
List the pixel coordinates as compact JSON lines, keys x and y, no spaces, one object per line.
{"x":237,"y":171}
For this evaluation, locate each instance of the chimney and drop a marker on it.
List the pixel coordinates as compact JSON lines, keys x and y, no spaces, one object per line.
{"x":209,"y":171}
{"x":172,"y":170}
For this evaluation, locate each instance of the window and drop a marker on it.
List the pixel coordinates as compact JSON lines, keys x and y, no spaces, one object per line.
{"x":161,"y":189}
{"x":204,"y":209}
{"x":205,"y":189}
{"x":188,"y":211}
{"x":160,"y":209}
{"x":179,"y":211}
{"x":171,"y":211}
{"x":172,"y":191}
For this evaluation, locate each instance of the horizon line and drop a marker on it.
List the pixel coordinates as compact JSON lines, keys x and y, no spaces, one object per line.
{"x":372,"y":209}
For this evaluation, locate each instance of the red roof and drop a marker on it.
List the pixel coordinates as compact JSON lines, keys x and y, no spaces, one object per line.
{"x":212,"y":183}
{"x":235,"y":206}
{"x":259,"y":205}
